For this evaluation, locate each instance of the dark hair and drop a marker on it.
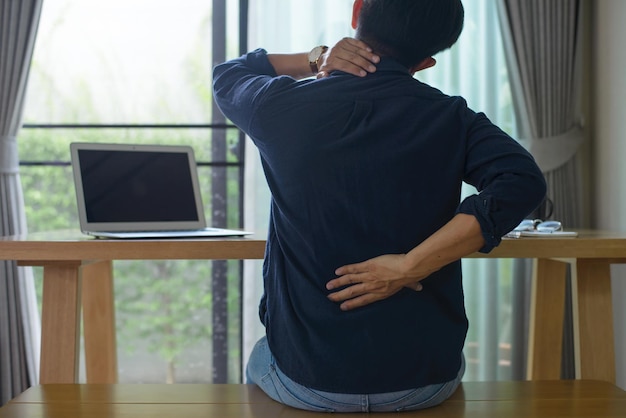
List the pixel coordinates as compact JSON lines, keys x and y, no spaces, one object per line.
{"x":410,"y":30}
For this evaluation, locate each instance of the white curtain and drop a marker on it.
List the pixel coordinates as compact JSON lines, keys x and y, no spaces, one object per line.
{"x":475,"y":68}
{"x":19,"y":318}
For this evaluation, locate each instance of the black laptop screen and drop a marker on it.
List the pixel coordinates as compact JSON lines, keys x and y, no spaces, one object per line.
{"x":137,"y":186}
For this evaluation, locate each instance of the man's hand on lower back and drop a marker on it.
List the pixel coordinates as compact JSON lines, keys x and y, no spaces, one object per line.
{"x":370,"y":281}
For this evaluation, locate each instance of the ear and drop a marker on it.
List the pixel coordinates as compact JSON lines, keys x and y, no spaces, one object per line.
{"x":426,"y":63}
{"x":356,"y":11}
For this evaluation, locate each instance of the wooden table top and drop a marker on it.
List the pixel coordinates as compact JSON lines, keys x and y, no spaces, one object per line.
{"x":74,"y":246}
{"x":474,"y":399}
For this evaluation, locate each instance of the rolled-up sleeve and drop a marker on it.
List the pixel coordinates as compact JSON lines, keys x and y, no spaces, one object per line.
{"x":510,"y":185}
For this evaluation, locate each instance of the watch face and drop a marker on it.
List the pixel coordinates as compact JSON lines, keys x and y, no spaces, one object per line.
{"x":315,"y":53}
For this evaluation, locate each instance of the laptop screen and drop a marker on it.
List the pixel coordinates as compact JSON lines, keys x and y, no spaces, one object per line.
{"x":132,"y":186}
{"x":136,"y":187}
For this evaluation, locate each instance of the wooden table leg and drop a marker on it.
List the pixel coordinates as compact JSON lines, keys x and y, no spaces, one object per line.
{"x":546,"y":320}
{"x":60,"y":323}
{"x":99,"y":322}
{"x":593,"y":320}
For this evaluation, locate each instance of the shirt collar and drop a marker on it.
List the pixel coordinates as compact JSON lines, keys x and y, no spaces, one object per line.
{"x":386,"y":65}
{"x":391,"y":64}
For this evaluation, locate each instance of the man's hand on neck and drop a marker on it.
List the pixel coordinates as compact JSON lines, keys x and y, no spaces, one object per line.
{"x":348,"y":55}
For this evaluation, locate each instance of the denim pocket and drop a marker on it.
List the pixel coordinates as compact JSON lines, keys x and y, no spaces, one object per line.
{"x":441,"y":394}
{"x":295,"y":395}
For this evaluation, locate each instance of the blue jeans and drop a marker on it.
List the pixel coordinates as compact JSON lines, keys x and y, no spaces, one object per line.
{"x":263,"y":371}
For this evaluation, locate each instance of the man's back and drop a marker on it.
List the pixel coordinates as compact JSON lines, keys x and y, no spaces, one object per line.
{"x":360,"y":167}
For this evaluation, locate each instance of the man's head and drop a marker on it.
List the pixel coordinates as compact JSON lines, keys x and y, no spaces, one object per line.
{"x":410,"y":31}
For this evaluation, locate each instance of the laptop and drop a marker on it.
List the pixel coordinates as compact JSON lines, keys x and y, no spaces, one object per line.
{"x":140,"y":191}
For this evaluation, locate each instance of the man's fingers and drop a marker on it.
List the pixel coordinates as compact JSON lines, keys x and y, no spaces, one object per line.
{"x":352,"y":269}
{"x":351,"y":274}
{"x":358,"y":58}
{"x":355,"y":43}
{"x":357,"y":51}
{"x":348,"y":293}
{"x":358,"y":67}
{"x":381,"y":289}
{"x":351,"y":56}
{"x":360,"y":63}
{"x":359,"y":302}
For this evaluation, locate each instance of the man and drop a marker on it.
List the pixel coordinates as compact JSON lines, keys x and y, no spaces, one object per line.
{"x":363,"y":302}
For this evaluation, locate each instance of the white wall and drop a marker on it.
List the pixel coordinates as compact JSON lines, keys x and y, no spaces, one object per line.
{"x":609,"y":146}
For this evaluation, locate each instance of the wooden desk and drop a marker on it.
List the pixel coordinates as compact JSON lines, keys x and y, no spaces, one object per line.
{"x":539,"y":399}
{"x":79,"y":269}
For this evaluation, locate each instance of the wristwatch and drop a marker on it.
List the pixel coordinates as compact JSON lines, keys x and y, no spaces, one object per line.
{"x":314,"y":57}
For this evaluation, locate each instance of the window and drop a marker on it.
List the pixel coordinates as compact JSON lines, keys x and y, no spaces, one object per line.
{"x":140,"y":72}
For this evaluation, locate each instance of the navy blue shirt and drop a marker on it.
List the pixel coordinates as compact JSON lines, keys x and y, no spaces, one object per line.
{"x":357,"y":168}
